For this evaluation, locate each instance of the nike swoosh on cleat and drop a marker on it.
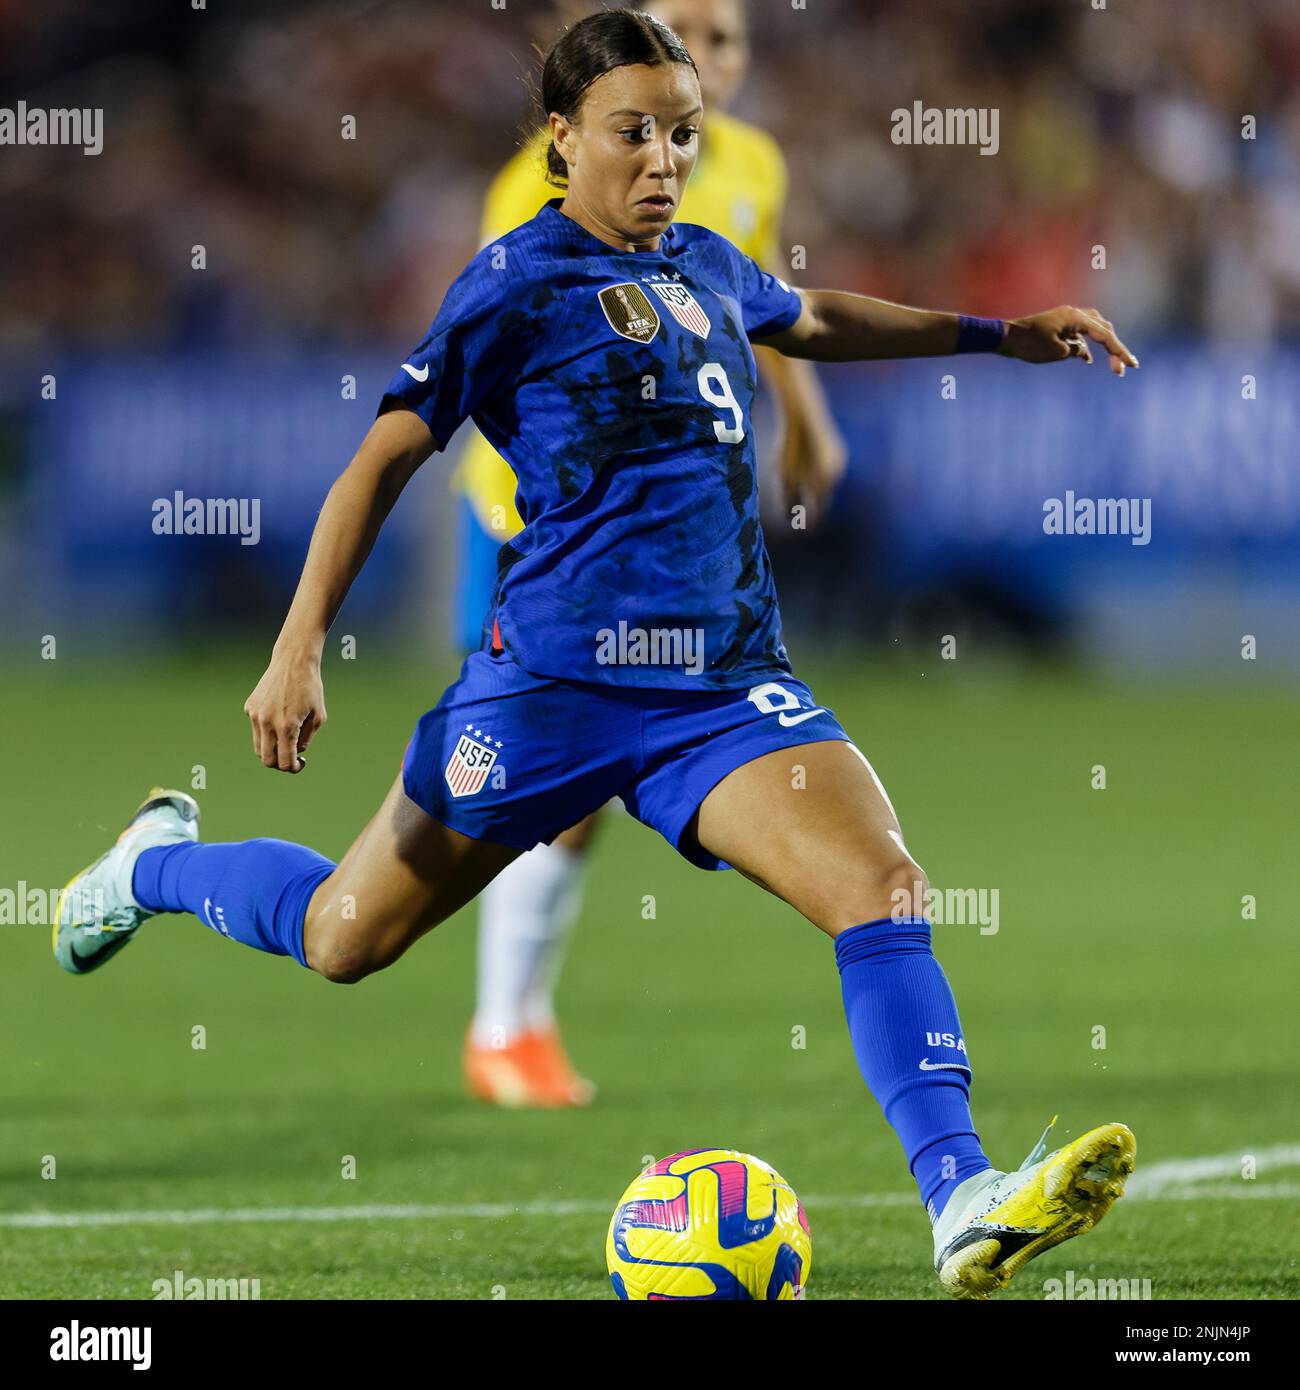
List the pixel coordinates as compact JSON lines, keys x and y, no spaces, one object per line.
{"x":1009,"y":1243}
{"x":790,"y":720}
{"x":413,"y":374}
{"x":925,"y":1064}
{"x":85,"y":964}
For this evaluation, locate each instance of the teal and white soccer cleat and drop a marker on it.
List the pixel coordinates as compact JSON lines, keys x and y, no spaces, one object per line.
{"x":996,"y":1222}
{"x":96,"y":913}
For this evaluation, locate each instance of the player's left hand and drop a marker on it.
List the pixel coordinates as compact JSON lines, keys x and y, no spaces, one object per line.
{"x":1062,"y":333}
{"x":812,"y":461}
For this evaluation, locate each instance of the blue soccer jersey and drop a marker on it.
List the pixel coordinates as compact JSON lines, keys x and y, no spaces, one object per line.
{"x":619,"y":386}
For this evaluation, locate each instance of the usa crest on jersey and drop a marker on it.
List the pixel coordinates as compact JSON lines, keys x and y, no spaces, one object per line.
{"x":468,"y":767}
{"x":683,"y":306}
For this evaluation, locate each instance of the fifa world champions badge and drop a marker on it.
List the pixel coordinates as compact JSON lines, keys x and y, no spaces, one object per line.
{"x":468,"y":767}
{"x":629,"y":312}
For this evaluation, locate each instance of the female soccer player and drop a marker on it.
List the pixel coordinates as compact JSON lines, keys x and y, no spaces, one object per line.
{"x":635,"y":645}
{"x":513,"y":1052}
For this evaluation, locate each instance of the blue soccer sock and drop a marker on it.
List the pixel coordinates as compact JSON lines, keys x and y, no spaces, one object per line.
{"x":254,"y":891}
{"x":904,"y":1025}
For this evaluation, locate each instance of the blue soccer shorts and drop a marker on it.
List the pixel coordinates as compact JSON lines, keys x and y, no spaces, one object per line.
{"x":518,"y":759}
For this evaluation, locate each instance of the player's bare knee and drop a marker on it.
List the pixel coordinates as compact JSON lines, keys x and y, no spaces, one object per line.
{"x":341,"y":965}
{"x":895,"y":888}
{"x":345,"y":970}
{"x":343,"y":955}
{"x":903,"y":887}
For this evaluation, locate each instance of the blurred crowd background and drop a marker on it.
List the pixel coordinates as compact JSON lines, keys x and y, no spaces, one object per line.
{"x":1120,"y":127}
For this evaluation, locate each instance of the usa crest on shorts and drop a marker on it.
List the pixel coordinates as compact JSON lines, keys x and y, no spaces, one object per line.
{"x":683,"y":306}
{"x":468,"y":767}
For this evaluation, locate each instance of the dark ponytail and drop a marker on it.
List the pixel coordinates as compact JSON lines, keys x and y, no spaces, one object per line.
{"x":591,"y":48}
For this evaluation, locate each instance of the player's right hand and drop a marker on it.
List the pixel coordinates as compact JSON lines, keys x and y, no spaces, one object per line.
{"x":286,"y":709}
{"x":1062,"y":333}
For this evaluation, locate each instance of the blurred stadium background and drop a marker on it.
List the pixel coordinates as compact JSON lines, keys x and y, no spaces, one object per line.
{"x":1120,"y":128}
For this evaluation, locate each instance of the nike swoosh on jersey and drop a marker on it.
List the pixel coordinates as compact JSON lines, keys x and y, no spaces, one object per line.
{"x":925,"y":1064}
{"x":422,"y":375}
{"x":790,"y":720}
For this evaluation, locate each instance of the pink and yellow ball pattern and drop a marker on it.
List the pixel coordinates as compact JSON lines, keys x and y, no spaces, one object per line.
{"x":709,"y":1223}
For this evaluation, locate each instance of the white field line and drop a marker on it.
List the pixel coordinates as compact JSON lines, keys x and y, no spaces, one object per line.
{"x":1172,"y":1181}
{"x":1177,"y":1172}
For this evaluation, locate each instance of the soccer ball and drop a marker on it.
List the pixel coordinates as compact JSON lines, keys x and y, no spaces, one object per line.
{"x":709,"y":1223}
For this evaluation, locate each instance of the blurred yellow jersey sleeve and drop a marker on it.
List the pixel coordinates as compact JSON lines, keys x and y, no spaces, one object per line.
{"x":738,"y":190}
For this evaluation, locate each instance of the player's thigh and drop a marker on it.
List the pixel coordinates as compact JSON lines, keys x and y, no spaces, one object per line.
{"x":814,"y":825}
{"x":404,"y":873}
{"x":577,"y":838}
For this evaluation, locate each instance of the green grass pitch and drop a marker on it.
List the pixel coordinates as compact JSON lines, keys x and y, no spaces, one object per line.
{"x":1120,"y":909}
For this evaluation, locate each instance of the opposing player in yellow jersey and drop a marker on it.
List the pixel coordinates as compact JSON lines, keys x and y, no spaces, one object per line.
{"x":513,"y":1054}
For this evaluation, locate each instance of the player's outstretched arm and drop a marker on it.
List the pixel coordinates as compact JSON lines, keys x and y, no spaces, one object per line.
{"x":836,"y":326}
{"x":288,"y":705}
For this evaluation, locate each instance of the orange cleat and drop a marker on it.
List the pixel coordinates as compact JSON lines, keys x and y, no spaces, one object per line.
{"x":564,"y":1081}
{"x":532,"y":1072}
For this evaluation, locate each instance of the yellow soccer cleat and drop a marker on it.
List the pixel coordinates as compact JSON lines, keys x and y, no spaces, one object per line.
{"x":995,"y":1222}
